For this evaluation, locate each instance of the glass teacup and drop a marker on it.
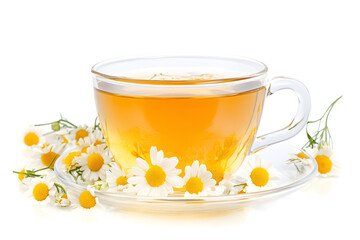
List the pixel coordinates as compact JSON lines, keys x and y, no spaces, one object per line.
{"x":193,"y":108}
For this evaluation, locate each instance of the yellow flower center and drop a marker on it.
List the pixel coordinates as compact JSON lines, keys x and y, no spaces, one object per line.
{"x":31,"y":139}
{"x":81,"y":133}
{"x":324,"y":164}
{"x":302,"y":155}
{"x":21,"y":176}
{"x":87,"y":200}
{"x":194,"y":185}
{"x":64,"y":196}
{"x":259,"y":176}
{"x":69,"y":159}
{"x":155,"y":176}
{"x":84,"y":149}
{"x":46,"y":158}
{"x":40,"y":192}
{"x":95,"y":161}
{"x":97,"y":142}
{"x":121,"y":181}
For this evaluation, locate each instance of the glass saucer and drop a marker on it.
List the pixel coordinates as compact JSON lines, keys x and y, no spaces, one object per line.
{"x":290,"y":180}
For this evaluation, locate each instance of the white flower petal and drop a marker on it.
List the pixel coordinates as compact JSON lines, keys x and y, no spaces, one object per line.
{"x":168,"y":163}
{"x":153,"y":155}
{"x":173,"y":172}
{"x":201,"y":170}
{"x":175,"y":181}
{"x":206,"y":175}
{"x":188,"y":171}
{"x":137,"y":172}
{"x":154,"y":192}
{"x":211,"y":183}
{"x":160,"y":156}
{"x":144,"y":191}
{"x":258,"y":161}
{"x":167,"y":186}
{"x":173,"y":162}
{"x":136,"y":180}
{"x":266,"y":164}
{"x":194,"y":168}
{"x":142,"y":163}
{"x":162,"y":192}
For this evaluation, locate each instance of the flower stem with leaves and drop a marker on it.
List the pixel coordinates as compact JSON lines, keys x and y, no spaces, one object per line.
{"x":59,"y":124}
{"x":322,"y":135}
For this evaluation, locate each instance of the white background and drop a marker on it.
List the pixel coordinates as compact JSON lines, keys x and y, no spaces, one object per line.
{"x":46,"y":52}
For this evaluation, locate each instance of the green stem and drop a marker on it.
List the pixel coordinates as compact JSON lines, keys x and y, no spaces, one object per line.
{"x":66,"y":121}
{"x":297,"y":168}
{"x":95,"y":122}
{"x":61,"y":187}
{"x":27,"y":174}
{"x":48,"y":167}
{"x":321,"y":135}
{"x":44,"y":124}
{"x":329,"y":108}
{"x":31,"y":173}
{"x":61,"y":120}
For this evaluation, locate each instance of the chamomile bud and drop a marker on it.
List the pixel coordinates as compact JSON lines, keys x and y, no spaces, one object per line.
{"x":61,"y":199}
{"x":55,"y":126}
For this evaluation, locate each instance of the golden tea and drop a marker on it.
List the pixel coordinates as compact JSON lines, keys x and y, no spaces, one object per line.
{"x":194,"y":108}
{"x":216,"y":130}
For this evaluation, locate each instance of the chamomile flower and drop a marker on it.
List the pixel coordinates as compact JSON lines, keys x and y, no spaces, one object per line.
{"x":44,"y":156}
{"x":301,"y":161}
{"x":62,"y":200}
{"x":33,"y":137}
{"x":94,"y":163}
{"x":80,"y":132}
{"x":94,"y":138}
{"x":116,"y":178}
{"x":87,"y":199}
{"x":68,"y":161}
{"x":197,"y":179}
{"x":41,"y":188}
{"x":260,"y":174}
{"x":157,"y":179}
{"x":327,"y":166}
{"x":233,"y":184}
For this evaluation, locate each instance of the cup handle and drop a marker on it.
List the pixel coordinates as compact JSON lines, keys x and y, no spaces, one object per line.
{"x":300,"y":119}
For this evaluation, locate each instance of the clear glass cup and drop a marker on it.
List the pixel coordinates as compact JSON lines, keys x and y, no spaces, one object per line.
{"x":191,"y":107}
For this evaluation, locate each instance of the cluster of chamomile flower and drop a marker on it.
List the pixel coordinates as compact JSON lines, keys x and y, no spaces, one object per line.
{"x":86,"y":157}
{"x":324,"y":157}
{"x":319,"y":146}
{"x":43,"y":150}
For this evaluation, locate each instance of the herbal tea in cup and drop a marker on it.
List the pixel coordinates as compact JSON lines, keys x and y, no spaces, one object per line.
{"x":193,"y":108}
